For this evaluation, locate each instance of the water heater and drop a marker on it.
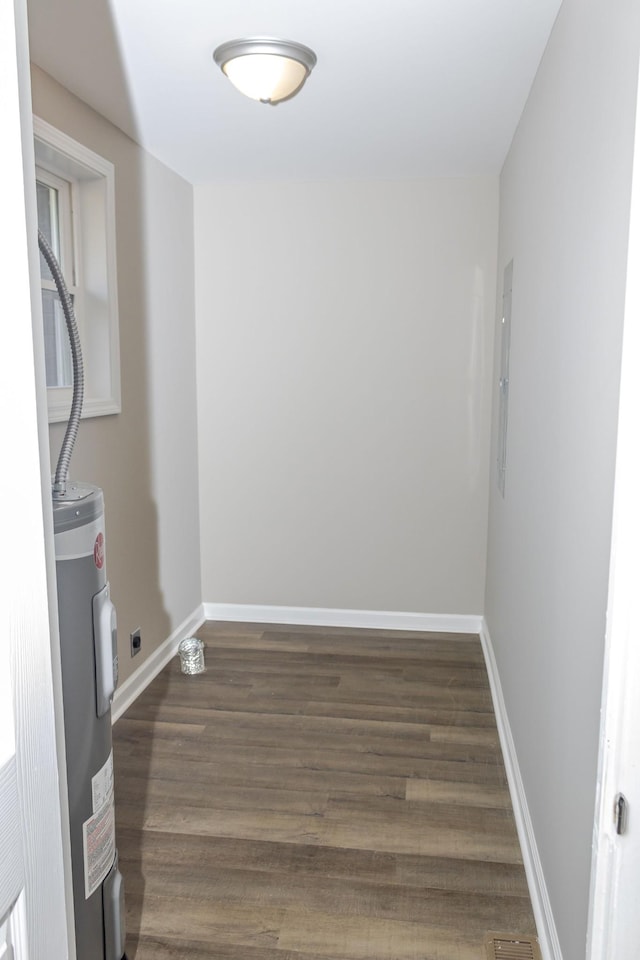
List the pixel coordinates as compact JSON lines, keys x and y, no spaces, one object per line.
{"x":88,"y":643}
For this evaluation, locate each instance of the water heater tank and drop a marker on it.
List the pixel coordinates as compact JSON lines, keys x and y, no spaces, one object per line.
{"x":89,"y":676}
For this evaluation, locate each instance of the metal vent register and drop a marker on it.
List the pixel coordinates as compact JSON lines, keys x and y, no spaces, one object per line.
{"x":506,"y":946}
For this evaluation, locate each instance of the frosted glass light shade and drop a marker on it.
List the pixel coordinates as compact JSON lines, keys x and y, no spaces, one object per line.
{"x":265,"y":77}
{"x":266,"y":70}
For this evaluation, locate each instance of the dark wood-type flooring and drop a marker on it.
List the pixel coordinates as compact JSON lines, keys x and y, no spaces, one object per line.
{"x":317,"y":795}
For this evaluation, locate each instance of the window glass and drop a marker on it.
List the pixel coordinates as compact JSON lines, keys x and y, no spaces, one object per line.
{"x":57,"y":350}
{"x":48,"y":222}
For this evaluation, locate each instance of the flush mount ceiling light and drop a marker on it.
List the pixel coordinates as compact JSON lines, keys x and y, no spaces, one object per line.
{"x":264,"y":69}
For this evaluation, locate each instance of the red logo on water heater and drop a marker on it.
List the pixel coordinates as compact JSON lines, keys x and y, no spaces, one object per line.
{"x":98,"y":551}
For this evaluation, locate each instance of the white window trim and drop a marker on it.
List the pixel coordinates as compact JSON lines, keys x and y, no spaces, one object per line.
{"x":61,"y":155}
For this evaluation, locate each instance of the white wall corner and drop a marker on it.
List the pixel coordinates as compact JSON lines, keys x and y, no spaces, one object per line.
{"x":155,"y":662}
{"x":547,"y":933}
{"x":327,"y":617}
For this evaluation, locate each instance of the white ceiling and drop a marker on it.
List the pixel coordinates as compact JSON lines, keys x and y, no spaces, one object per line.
{"x":402,"y":88}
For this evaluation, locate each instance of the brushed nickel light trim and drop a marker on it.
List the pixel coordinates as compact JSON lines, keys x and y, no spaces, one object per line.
{"x":285,"y":63}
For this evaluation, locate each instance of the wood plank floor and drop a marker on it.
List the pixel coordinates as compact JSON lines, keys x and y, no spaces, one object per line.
{"x":317,"y":794}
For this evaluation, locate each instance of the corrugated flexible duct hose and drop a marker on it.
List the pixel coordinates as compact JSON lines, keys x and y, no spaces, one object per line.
{"x":66,"y":450}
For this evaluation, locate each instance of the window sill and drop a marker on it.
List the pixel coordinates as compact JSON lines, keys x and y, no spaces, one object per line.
{"x":59,"y":410}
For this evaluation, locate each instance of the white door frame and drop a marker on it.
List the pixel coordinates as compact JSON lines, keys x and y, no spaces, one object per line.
{"x":30,"y":642}
{"x":614,"y":925}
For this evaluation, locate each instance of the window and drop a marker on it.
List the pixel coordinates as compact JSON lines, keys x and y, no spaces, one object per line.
{"x":76,"y":213}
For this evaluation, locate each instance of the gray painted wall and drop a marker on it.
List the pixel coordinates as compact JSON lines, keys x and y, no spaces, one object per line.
{"x":145,"y":458}
{"x":344,"y":337}
{"x":564,"y":207}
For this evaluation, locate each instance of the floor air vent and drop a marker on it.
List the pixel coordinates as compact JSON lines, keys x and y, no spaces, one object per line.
{"x":505,"y":946}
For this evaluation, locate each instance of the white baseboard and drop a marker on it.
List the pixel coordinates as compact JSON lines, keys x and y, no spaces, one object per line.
{"x":151,"y":667}
{"x":547,"y":933}
{"x":326,"y":617}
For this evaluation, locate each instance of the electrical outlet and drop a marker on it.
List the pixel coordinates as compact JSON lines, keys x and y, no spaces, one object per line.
{"x":136,"y":642}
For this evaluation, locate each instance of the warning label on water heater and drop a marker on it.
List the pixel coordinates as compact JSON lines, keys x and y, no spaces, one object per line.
{"x":98,"y":832}
{"x":102,"y":785}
